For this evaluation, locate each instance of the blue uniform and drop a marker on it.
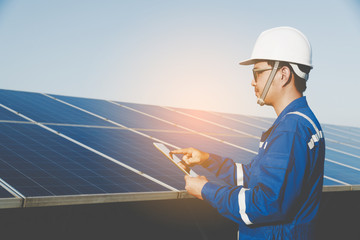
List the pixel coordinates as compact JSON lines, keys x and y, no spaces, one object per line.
{"x":276,"y":195}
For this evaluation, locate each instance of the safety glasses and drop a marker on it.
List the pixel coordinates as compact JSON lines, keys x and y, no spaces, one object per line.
{"x":256,"y":72}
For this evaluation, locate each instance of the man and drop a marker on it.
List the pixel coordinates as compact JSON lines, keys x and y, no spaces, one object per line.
{"x":276,"y":195}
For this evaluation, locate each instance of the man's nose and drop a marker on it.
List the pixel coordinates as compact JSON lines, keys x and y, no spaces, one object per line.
{"x":253,"y":83}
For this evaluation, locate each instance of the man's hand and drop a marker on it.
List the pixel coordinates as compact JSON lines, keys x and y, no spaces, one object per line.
{"x":191,"y":156}
{"x":194,"y":185}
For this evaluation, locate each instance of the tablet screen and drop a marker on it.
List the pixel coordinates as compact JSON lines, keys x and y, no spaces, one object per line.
{"x":162,"y":148}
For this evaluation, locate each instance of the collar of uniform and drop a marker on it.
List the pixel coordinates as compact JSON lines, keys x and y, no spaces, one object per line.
{"x":293,"y":106}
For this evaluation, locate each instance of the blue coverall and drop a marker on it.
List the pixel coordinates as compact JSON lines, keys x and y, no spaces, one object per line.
{"x":276,"y":195}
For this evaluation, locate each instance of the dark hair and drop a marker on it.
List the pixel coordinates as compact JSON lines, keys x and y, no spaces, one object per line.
{"x":300,"y":83}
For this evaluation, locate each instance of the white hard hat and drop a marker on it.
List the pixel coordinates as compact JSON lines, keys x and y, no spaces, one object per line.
{"x":284,"y":44}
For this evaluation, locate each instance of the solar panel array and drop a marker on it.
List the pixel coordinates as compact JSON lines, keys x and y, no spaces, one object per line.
{"x":57,"y":150}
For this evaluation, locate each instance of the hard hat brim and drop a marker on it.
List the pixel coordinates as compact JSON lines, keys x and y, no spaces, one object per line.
{"x":248,"y":62}
{"x":252,"y":61}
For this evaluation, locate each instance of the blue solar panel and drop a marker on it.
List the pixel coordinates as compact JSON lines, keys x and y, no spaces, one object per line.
{"x":341,"y":138}
{"x":343,"y":158}
{"x":40,"y":163}
{"x":44,"y":109}
{"x":5,"y":194}
{"x":179,"y":119}
{"x":261,"y":122}
{"x":5,"y":115}
{"x":341,"y":173}
{"x":247,"y":125}
{"x":146,"y":124}
{"x":37,"y":162}
{"x":187,"y":139}
{"x":129,"y":148}
{"x":344,"y":130}
{"x":352,"y":149}
{"x":116,"y":113}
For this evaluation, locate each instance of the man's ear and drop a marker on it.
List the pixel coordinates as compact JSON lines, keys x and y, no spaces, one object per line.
{"x":285,"y":75}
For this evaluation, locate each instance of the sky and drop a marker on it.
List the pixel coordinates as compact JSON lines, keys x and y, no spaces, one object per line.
{"x":177,"y":53}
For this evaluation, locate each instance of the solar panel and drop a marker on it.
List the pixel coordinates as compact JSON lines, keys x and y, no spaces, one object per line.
{"x":117,"y":114}
{"x":41,"y":108}
{"x":37,"y":162}
{"x":4,"y":193}
{"x":8,"y":116}
{"x":248,"y":125}
{"x":66,"y":150}
{"x":129,"y":148}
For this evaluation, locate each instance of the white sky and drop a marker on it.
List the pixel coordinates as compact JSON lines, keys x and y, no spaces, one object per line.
{"x":180,"y":53}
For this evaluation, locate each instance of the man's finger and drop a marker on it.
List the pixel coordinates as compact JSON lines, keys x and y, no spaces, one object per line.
{"x":186,"y":177}
{"x":179,"y":151}
{"x":185,"y":159}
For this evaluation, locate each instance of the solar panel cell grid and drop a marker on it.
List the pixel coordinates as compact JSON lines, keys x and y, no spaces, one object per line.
{"x":129,"y":148}
{"x":44,"y":109}
{"x":35,"y":168}
{"x":116,"y":113}
{"x":343,"y":158}
{"x":179,"y":119}
{"x":236,"y":124}
{"x":262,"y":122}
{"x":341,"y":173}
{"x":329,"y":182}
{"x":8,"y":116}
{"x":342,"y":138}
{"x":5,"y":194}
{"x":347,"y":148}
{"x":216,"y":147}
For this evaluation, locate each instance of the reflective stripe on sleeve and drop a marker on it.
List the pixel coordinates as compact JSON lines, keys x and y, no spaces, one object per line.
{"x":314,"y":138}
{"x":239,"y":174}
{"x":242,"y":206}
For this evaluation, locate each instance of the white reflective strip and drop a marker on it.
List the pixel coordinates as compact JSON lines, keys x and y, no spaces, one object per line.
{"x":242,"y":206}
{"x":314,"y":138}
{"x":239,"y":174}
{"x":307,"y":118}
{"x":262,"y":145}
{"x":298,"y":72}
{"x":311,"y":144}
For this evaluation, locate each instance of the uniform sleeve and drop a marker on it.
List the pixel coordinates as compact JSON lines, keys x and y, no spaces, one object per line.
{"x":225,"y":169}
{"x":275,"y":190}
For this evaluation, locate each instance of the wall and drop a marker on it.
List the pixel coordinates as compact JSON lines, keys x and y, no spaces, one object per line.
{"x":168,"y":219}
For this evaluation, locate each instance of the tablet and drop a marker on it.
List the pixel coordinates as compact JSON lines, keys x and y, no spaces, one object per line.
{"x":162,"y":148}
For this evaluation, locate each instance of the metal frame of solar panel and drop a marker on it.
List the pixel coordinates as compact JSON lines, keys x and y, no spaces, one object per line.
{"x":58,"y":150}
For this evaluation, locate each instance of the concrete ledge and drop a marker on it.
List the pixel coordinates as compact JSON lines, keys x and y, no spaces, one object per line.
{"x":102,"y":198}
{"x":47,"y":201}
{"x":341,"y":188}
